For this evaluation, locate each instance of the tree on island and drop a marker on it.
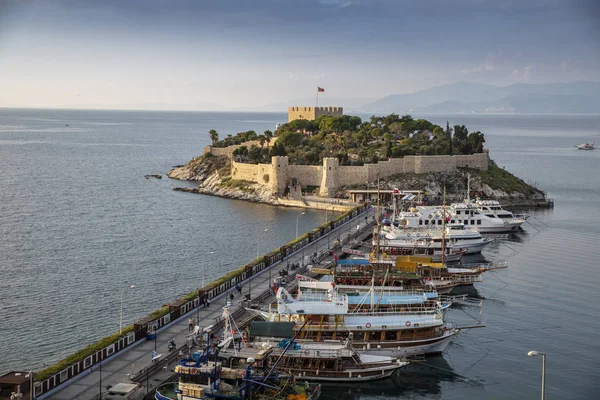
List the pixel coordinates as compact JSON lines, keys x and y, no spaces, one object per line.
{"x":214,"y":136}
{"x":354,"y":142}
{"x":268,"y":136}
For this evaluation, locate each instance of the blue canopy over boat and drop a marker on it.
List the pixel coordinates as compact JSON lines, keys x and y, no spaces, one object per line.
{"x":351,"y":261}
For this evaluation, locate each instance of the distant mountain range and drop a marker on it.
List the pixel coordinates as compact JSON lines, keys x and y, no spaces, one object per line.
{"x":467,"y":97}
{"x":581,"y":97}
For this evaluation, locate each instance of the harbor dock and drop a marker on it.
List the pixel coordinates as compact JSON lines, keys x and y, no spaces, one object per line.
{"x":135,"y":363}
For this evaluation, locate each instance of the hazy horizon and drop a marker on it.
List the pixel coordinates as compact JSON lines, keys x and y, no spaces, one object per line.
{"x":183,"y":55}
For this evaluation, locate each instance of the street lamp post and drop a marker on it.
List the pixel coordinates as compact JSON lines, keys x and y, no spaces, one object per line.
{"x":121,"y":320}
{"x":252,"y":269}
{"x":534,"y":353}
{"x":30,"y":376}
{"x":203,"y":268}
{"x":297,"y":218}
{"x":204,"y":265}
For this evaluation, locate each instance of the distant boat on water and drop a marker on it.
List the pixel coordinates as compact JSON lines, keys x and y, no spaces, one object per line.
{"x":586,"y":146}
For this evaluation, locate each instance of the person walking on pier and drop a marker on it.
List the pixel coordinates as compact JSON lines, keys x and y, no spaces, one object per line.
{"x":190,"y":324}
{"x":231,"y":296}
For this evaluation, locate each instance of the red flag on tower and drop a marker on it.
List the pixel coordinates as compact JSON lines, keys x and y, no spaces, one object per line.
{"x":320,"y":89}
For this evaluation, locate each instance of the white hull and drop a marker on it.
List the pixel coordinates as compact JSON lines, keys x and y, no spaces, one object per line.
{"x":474,"y":248}
{"x":409,"y":351}
{"x":353,"y":376}
{"x":499,"y":229}
{"x":447,"y":258}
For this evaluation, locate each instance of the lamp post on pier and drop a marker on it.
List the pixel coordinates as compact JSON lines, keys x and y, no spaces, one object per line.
{"x":297,"y":218}
{"x":30,"y":376}
{"x":203,"y":284}
{"x":252,"y":269}
{"x":534,"y":353}
{"x":121,"y":319}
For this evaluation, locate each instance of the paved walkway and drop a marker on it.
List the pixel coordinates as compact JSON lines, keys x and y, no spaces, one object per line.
{"x":130,"y":362}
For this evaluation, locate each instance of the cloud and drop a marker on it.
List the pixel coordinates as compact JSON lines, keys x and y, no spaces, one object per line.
{"x":292,"y":76}
{"x":491,"y":62}
{"x":321,"y":76}
{"x":522,"y":75}
{"x":337,"y":3}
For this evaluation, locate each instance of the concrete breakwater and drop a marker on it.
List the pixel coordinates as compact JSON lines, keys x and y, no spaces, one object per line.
{"x":82,"y":362}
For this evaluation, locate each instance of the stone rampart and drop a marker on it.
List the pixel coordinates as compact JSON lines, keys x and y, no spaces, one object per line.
{"x":245,"y":172}
{"x":307,"y":175}
{"x":331,"y":175}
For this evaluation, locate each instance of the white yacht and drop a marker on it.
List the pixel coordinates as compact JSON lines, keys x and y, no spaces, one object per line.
{"x":586,"y":146}
{"x":465,"y":213}
{"x":492,"y":208}
{"x":455,"y":234}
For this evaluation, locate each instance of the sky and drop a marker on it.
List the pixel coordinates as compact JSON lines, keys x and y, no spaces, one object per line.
{"x":175,"y":54}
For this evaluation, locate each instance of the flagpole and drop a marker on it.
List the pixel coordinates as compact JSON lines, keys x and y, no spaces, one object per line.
{"x":317,"y":97}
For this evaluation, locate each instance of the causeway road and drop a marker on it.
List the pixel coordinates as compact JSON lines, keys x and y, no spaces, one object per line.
{"x":129,"y":363}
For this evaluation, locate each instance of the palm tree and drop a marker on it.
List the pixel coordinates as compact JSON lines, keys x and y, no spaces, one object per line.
{"x":214,"y":136}
{"x":268,"y":136}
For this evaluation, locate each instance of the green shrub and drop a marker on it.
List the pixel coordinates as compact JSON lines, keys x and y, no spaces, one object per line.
{"x":81,"y":354}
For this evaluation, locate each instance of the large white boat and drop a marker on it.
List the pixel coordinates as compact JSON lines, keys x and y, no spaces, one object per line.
{"x":466,"y":213}
{"x":395,"y":331}
{"x":456,"y":235}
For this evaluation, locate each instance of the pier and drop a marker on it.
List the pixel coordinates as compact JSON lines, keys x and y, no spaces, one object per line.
{"x":134,"y":362}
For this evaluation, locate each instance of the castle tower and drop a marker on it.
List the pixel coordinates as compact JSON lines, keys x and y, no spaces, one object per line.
{"x":329,"y":180}
{"x":280,"y":168}
{"x":312,"y":113}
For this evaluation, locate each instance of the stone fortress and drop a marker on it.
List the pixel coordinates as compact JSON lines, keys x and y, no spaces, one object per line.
{"x":312,"y":113}
{"x":331,"y":175}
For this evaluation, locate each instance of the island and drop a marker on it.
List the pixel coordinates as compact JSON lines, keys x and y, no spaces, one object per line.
{"x":321,"y":154}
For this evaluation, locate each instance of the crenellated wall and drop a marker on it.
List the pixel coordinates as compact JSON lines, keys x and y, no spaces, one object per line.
{"x":312,"y":113}
{"x":331,"y":175}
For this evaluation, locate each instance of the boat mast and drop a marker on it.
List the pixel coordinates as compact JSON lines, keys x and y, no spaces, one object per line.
{"x":444,"y":227}
{"x":378,"y":219}
{"x":372,"y":292}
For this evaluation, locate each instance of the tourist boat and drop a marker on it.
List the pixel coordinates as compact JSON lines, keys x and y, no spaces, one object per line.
{"x":330,"y":361}
{"x":465,"y":213}
{"x":202,"y":379}
{"x":411,"y":273}
{"x":492,"y":208}
{"x":421,"y":246}
{"x":586,"y":146}
{"x":393,"y":331}
{"x":437,"y":228}
{"x":455,"y":234}
{"x":383,"y":296}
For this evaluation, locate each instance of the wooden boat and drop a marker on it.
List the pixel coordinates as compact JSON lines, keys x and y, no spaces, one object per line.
{"x":397,"y":331}
{"x":199,"y":378}
{"x":330,"y":361}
